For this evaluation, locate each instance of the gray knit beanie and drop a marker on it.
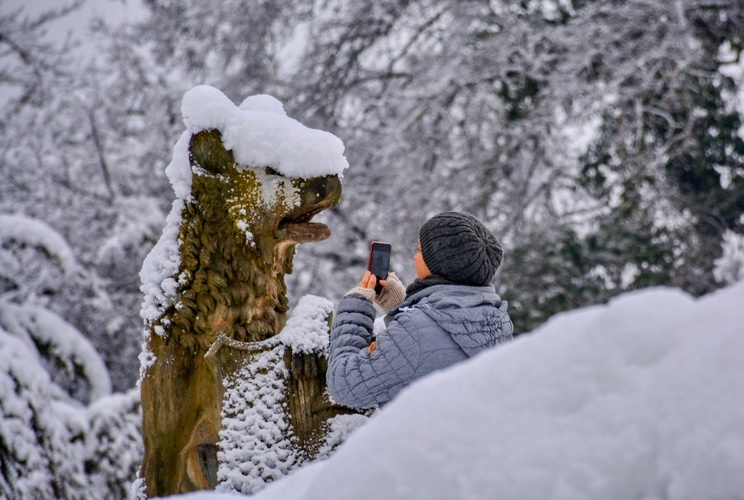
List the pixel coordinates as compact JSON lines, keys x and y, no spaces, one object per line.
{"x":460,"y":248}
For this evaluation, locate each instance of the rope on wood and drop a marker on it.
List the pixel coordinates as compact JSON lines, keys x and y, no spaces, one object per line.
{"x":251,"y":347}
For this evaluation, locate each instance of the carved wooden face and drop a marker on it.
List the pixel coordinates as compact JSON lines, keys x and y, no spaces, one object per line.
{"x":268,"y":209}
{"x":238,"y":236}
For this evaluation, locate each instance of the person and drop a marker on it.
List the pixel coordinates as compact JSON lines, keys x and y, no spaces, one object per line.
{"x":450,"y":313}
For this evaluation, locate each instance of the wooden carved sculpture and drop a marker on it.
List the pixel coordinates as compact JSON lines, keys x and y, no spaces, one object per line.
{"x":237,"y":234}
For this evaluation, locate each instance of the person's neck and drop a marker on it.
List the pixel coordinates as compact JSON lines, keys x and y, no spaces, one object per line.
{"x":422,"y":283}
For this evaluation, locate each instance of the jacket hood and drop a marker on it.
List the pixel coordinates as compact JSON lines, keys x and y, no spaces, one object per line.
{"x":475,"y":317}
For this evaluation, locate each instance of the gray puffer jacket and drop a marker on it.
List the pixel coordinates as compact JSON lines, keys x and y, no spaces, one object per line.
{"x":434,"y":328}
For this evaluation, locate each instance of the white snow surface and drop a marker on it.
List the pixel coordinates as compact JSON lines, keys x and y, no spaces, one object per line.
{"x":639,"y":398}
{"x":260,"y":134}
{"x":29,"y":416}
{"x":255,"y":443}
{"x":307,"y":329}
{"x":159,"y":285}
{"x":29,"y":231}
{"x":53,"y":445}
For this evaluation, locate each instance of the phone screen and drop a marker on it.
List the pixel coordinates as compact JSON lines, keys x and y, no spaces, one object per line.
{"x":379,"y":259}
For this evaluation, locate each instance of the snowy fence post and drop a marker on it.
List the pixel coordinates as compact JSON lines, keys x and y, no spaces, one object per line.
{"x":247,"y":180}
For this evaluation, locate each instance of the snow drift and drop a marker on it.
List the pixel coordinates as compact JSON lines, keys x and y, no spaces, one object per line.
{"x":640,"y":398}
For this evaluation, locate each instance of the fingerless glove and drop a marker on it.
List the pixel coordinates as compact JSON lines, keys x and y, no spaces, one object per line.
{"x":392,"y":295}
{"x":367,"y":293}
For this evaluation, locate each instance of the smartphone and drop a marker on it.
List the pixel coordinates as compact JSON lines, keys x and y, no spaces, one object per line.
{"x":379,"y":261}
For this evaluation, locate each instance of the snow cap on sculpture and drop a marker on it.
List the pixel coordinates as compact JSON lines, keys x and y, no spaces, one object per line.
{"x":263,"y":102}
{"x":260,"y":134}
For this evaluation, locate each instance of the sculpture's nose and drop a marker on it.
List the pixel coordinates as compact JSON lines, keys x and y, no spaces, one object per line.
{"x":325,"y":191}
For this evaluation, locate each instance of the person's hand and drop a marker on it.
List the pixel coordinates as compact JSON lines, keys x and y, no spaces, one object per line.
{"x":366,"y":286}
{"x":369,"y":280}
{"x":393,"y":293}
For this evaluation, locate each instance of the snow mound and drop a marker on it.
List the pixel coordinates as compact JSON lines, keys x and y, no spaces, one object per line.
{"x":641,"y":398}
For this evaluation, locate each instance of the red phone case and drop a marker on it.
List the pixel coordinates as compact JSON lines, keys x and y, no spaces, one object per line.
{"x":372,"y":248}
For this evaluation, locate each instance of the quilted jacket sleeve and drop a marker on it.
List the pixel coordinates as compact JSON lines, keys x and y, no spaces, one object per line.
{"x":362,"y":377}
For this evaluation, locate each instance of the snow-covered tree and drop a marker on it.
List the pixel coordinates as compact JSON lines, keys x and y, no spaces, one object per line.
{"x":594,"y":137}
{"x":729,"y":268}
{"x":62,"y":433}
{"x":597,"y":139}
{"x":76,"y":153}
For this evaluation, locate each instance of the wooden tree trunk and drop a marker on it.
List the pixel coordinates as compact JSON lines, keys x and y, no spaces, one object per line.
{"x":306,"y":397}
{"x":237,"y":239}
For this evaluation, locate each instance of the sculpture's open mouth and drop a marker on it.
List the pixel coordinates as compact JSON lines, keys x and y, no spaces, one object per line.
{"x":302,"y":230}
{"x":305,"y":232}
